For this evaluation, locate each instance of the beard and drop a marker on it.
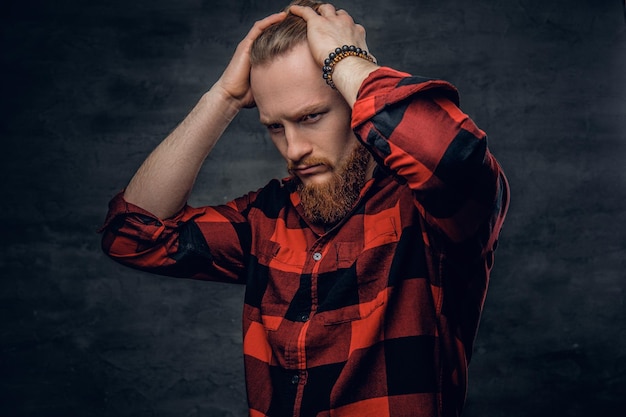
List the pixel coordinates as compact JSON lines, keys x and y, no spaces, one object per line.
{"x":329,"y":202}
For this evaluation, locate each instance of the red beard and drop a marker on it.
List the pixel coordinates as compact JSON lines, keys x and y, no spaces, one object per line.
{"x":331,"y":201}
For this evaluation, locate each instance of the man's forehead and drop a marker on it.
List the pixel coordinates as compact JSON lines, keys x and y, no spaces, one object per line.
{"x":289,"y":87}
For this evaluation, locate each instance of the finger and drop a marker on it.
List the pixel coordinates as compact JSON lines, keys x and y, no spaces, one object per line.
{"x":360,"y":29}
{"x":256,"y":30}
{"x":260,"y":25}
{"x":304,"y":12}
{"x":327,"y":10}
{"x":344,"y":15}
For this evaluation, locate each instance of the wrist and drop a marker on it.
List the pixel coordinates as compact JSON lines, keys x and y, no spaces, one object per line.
{"x":218,"y":98}
{"x":338,"y":55}
{"x":347,"y":71}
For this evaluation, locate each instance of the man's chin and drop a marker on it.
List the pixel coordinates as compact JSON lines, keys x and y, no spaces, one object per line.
{"x":328,"y":196}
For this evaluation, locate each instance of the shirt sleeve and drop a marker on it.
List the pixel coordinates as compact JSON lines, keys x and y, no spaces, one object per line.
{"x":209,"y":243}
{"x":415,"y":129}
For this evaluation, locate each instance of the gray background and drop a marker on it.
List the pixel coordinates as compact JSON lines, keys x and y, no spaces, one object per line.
{"x":88,"y":88}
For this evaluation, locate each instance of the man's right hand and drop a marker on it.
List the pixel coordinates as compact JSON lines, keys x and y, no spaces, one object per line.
{"x":164,"y":181}
{"x":235,"y":81}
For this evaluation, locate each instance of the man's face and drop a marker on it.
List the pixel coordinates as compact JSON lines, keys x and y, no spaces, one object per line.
{"x":308,"y":121}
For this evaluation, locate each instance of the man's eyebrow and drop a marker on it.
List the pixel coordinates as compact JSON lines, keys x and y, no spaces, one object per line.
{"x":295,"y":115}
{"x":265,"y":121}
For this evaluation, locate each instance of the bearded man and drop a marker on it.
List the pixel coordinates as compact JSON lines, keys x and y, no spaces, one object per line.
{"x":367,"y":268}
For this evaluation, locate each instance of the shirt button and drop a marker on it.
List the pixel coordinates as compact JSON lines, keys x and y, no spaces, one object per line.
{"x":304,"y":317}
{"x":317,"y":256}
{"x":295,"y":379}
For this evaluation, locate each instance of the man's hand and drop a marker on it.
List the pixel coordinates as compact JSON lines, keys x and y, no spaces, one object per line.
{"x":329,"y":29}
{"x":235,"y":81}
{"x":164,"y":181}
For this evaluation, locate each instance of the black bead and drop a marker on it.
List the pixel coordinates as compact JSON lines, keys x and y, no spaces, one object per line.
{"x":332,"y":56}
{"x":358,"y":50}
{"x":345,"y":48}
{"x":337,"y":50}
{"x":327,"y":61}
{"x":352,"y":48}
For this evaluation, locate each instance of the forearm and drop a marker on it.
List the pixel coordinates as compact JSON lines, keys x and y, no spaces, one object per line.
{"x":164,"y":181}
{"x":417,"y":131}
{"x":349,"y":74}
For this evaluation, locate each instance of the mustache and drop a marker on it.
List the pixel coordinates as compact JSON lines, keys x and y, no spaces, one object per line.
{"x":292,"y":165}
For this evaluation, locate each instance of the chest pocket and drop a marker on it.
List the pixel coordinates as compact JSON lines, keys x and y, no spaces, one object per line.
{"x":359,"y":287}
{"x":275,"y":282}
{"x":281,"y":257}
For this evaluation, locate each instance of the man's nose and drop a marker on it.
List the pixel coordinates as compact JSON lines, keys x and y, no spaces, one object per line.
{"x":298,"y":145}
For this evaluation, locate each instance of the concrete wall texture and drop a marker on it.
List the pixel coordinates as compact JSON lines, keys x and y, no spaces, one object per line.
{"x":88,"y":88}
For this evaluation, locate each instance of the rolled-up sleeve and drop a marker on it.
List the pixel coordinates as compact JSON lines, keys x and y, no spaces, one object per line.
{"x":208,"y":243}
{"x":415,"y":129}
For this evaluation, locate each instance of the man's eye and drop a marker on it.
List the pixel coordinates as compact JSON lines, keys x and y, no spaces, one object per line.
{"x":275,"y":127}
{"x":312,"y":117}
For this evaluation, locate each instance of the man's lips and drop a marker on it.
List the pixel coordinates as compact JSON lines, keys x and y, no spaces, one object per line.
{"x":305,"y":170}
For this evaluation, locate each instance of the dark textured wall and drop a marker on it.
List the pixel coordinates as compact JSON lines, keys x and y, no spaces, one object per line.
{"x":88,"y":88}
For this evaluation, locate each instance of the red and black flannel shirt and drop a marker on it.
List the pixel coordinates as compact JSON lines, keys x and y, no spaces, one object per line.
{"x":376,"y":316}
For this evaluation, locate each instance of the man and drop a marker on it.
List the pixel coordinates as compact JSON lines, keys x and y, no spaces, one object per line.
{"x":366,"y":269}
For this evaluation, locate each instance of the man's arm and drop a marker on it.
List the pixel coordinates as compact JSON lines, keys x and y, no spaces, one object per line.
{"x":414,"y":127}
{"x":164,"y":181}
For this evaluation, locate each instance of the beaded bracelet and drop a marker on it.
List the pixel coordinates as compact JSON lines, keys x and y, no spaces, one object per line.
{"x":338,"y":55}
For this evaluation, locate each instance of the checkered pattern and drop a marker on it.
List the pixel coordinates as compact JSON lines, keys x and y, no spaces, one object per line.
{"x":377,"y":316}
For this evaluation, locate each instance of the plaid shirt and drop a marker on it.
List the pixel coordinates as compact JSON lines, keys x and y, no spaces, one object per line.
{"x":376,"y":316}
